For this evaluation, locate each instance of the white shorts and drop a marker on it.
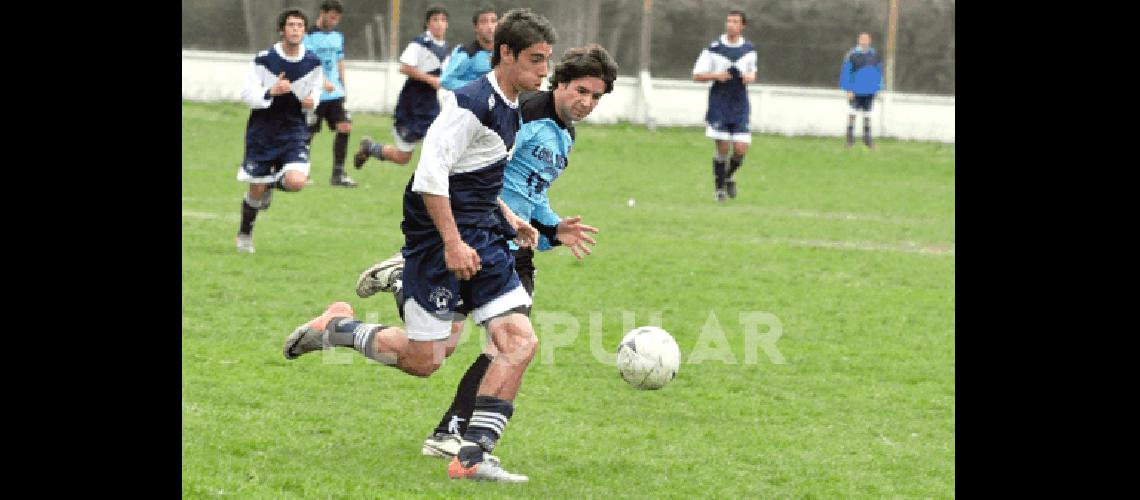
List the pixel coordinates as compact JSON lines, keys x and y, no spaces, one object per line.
{"x":745,"y":137}
{"x":245,"y":176}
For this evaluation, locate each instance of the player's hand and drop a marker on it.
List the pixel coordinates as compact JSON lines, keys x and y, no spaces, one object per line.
{"x":724,"y":76}
{"x":573,"y":234}
{"x":308,"y":103}
{"x":748,"y":78}
{"x":528,"y":235}
{"x":281,"y":86}
{"x":435,"y":82}
{"x":850,"y":96}
{"x":329,"y":87}
{"x":462,"y":260}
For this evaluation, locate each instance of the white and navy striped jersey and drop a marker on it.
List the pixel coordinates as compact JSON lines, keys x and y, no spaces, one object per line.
{"x":329,"y":47}
{"x":277,"y":121}
{"x":426,"y":54}
{"x":728,"y":100}
{"x":463,"y":157}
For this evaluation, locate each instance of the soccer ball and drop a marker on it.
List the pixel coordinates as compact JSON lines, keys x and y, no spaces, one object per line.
{"x":648,"y":357}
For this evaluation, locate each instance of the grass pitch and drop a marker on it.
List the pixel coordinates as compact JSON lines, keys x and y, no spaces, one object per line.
{"x":846,"y":255}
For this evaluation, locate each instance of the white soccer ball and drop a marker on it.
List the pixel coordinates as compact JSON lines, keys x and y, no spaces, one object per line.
{"x":648,"y":357}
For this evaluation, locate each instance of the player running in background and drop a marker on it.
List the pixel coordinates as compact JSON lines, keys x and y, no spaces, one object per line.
{"x":468,"y":62}
{"x":281,"y":82}
{"x":417,"y":105}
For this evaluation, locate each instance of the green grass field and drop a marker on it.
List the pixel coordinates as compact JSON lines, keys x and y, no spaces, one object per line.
{"x":852,"y":251}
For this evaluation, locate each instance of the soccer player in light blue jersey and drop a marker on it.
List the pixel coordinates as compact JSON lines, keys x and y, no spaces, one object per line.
{"x":457,"y":258}
{"x":282,"y":81}
{"x":468,"y":62}
{"x":328,"y":43}
{"x":417,"y":105}
{"x":730,"y":63}
{"x":861,"y":77}
{"x":542,"y":152}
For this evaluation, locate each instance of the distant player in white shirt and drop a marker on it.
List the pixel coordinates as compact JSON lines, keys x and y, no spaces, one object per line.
{"x":417,"y":106}
{"x":281,"y":82}
{"x":730,"y":63}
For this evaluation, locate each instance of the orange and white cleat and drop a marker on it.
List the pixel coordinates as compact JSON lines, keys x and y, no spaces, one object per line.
{"x":311,"y":336}
{"x":483,"y":471}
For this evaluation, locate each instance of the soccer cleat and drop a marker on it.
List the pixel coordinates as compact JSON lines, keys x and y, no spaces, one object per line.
{"x":483,"y":471}
{"x":245,"y":243}
{"x":381,"y":276}
{"x":721,"y":195}
{"x":310,"y":336}
{"x":443,"y":445}
{"x":342,"y":180}
{"x":730,"y":188}
{"x":363,"y":153}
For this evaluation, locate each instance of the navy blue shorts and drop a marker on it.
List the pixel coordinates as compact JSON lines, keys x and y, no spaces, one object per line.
{"x":862,"y":102}
{"x":294,"y":157}
{"x":434,"y":296}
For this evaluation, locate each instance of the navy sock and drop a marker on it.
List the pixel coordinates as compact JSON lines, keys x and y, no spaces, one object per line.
{"x":718,"y":172}
{"x":734,"y":165}
{"x":486,"y":427}
{"x":248,"y":216}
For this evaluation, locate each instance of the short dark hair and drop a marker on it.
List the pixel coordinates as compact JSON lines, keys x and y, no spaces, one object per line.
{"x":520,"y":28}
{"x":480,"y":11}
{"x":331,"y":5}
{"x":433,"y":10}
{"x":580,"y":62}
{"x":743,"y":20}
{"x":291,"y":12}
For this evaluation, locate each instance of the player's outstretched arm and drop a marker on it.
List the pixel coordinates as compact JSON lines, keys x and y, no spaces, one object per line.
{"x":574,"y":234}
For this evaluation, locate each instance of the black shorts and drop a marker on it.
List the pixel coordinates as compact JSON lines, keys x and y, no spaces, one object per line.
{"x":524,"y":266}
{"x":332,"y":112}
{"x":862,"y":102}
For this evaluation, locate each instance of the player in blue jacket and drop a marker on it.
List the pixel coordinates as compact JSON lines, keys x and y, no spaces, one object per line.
{"x":861,"y":76}
{"x":468,"y":62}
{"x":541,"y":155}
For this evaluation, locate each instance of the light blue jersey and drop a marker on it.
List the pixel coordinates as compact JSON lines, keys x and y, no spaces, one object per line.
{"x":542,"y":152}
{"x":329,"y":47}
{"x":466,"y":64}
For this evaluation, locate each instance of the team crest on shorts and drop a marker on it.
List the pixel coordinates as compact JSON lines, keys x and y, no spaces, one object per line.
{"x":440,"y":296}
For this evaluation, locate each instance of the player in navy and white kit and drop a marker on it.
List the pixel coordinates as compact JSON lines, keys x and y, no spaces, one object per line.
{"x":730,"y":63}
{"x":861,"y":77}
{"x":417,"y":105}
{"x":281,"y":82}
{"x":328,"y":43}
{"x":542,"y":154}
{"x":457,"y":258}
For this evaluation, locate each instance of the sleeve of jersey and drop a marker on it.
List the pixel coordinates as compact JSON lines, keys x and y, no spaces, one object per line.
{"x":340,"y":48}
{"x":411,"y":55}
{"x":545,"y":216}
{"x":747,"y":64}
{"x":704,"y":63}
{"x":845,"y":74}
{"x":456,"y":67}
{"x":252,"y":91}
{"x":310,"y":84}
{"x":446,"y":140}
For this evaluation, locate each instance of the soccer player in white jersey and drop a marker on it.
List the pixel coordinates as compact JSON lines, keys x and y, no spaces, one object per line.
{"x":456,"y":255}
{"x":730,"y":63}
{"x":328,"y":43}
{"x":281,"y":82}
{"x":417,"y":104}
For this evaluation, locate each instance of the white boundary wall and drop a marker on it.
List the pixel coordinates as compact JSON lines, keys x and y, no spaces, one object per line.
{"x":373,"y":87}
